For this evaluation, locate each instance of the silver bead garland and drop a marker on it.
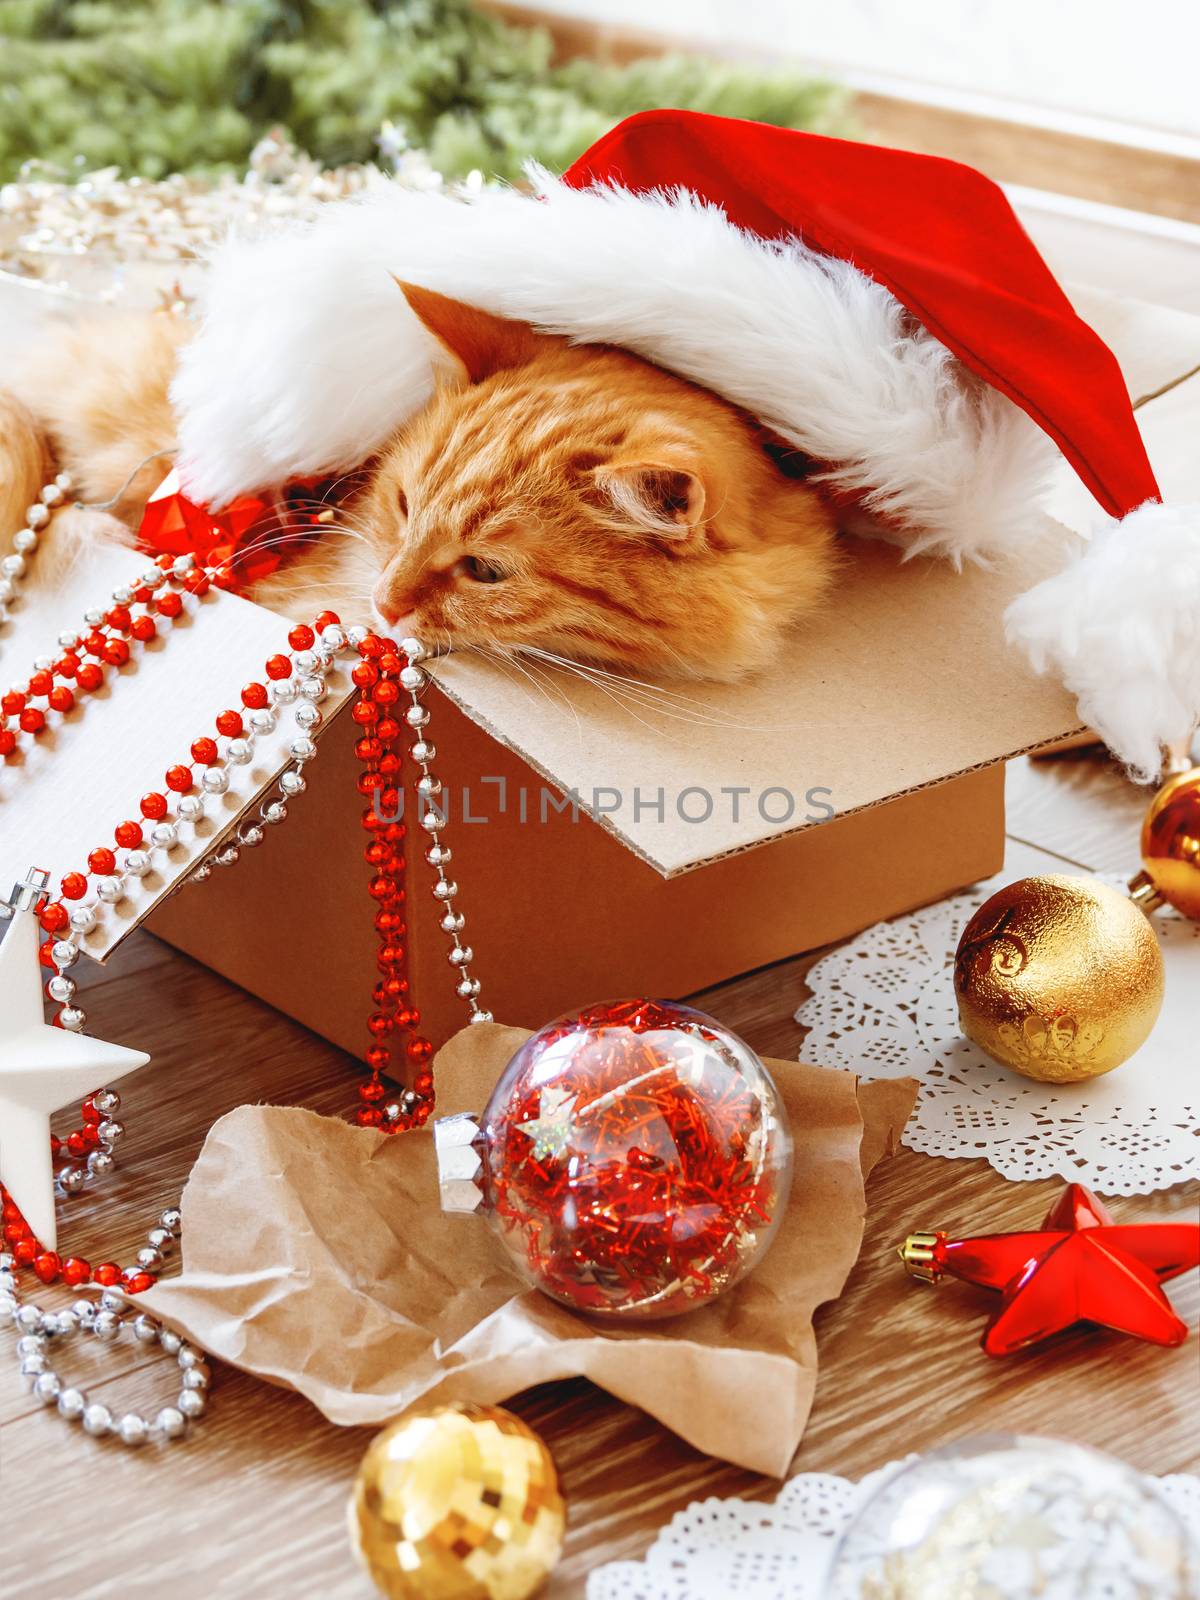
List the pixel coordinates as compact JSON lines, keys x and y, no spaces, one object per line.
{"x":40,"y":1333}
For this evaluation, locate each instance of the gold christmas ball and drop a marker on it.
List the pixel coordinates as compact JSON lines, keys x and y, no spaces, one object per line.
{"x":1059,"y":978}
{"x":1171,"y":847}
{"x":459,"y":1502}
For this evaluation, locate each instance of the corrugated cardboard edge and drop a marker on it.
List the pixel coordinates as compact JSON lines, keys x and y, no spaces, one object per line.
{"x":603,"y":818}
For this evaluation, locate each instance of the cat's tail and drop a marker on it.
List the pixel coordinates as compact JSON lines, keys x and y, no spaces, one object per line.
{"x":26,"y":463}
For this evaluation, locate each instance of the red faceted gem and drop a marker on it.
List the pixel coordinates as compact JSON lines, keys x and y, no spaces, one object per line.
{"x":205,"y":752}
{"x":279,"y":667}
{"x":368,"y":1116}
{"x":61,"y":699}
{"x":365,"y":674}
{"x":418,"y":1050}
{"x":326,"y":619}
{"x":94,"y":642}
{"x":372,"y":1091}
{"x":175,"y":525}
{"x":48,"y":1265}
{"x":390,"y":662}
{"x":363,"y":711}
{"x":67,"y":664}
{"x":8,"y":741}
{"x":32,"y":720}
{"x":73,"y":886}
{"x":76,"y":1145}
{"x":1079,"y":1267}
{"x":368,"y":749}
{"x":107,"y":1273}
{"x":12,"y":703}
{"x":388,"y":729}
{"x":144,"y":629}
{"x":116,"y":652}
{"x":41,"y":683}
{"x":379,"y":1024}
{"x":254,"y":697}
{"x":154,"y":806}
{"x":423,"y":1082}
{"x":89,"y":677}
{"x":179,"y":779}
{"x":377,"y":1057}
{"x":89,"y":1113}
{"x":136,"y":1282}
{"x":169,"y":605}
{"x":102,"y":862}
{"x":230,"y":723}
{"x":75,"y":1270}
{"x":387,"y":693}
{"x":53,"y":917}
{"x":172,"y":524}
{"x":302,"y":637}
{"x":128,"y":834}
{"x":26,"y":1251}
{"x":119,"y":618}
{"x":46,"y":957}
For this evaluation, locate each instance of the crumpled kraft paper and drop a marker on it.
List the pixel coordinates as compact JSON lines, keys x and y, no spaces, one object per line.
{"x":315,"y":1255}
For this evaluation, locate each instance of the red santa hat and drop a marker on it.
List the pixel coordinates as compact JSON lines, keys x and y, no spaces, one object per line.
{"x":883,"y":311}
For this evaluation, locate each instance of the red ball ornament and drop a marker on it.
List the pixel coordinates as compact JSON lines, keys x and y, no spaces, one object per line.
{"x":634,"y":1159}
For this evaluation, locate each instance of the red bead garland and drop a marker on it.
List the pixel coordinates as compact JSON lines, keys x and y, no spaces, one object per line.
{"x":393,"y":1017}
{"x":393,"y":1020}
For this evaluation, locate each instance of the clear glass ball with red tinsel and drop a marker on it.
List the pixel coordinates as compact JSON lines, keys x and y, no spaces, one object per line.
{"x":636,"y":1159}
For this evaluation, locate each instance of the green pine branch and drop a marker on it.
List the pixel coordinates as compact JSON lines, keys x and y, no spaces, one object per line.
{"x":158,"y":86}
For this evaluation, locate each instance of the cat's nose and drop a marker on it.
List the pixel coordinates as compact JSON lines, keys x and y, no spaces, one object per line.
{"x":392,"y":606}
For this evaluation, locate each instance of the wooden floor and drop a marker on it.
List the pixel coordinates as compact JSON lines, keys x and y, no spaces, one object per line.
{"x":252,"y":1505}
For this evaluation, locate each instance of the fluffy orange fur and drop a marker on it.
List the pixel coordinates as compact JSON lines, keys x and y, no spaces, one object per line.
{"x":573,"y":500}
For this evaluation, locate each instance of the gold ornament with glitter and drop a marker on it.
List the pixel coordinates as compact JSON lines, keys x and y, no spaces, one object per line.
{"x":1059,"y":978}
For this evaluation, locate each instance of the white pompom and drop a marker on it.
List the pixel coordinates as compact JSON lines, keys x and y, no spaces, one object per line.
{"x":1121,"y":627}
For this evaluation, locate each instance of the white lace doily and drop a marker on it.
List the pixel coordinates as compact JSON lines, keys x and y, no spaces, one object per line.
{"x":883,"y":1006}
{"x":774,"y":1550}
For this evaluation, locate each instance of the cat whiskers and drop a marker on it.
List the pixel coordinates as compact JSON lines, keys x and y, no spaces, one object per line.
{"x":507,"y":658}
{"x":629,"y":691}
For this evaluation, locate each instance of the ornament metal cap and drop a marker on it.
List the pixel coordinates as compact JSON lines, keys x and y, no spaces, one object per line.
{"x":459,"y":1163}
{"x":919,"y":1253}
{"x":1144,"y":893}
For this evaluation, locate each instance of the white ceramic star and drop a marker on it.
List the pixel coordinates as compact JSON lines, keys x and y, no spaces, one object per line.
{"x":41,"y":1069}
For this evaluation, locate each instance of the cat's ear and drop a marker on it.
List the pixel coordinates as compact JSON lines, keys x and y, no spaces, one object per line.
{"x":481,"y":343}
{"x":655,"y":498}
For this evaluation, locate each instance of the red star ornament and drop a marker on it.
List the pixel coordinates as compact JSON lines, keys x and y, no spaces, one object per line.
{"x":1080,"y":1267}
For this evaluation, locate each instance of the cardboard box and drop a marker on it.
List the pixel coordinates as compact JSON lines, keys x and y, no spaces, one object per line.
{"x":709,"y":849}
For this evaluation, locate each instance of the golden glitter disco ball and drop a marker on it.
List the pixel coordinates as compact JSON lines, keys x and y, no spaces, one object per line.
{"x":1059,"y":978}
{"x":459,"y":1502}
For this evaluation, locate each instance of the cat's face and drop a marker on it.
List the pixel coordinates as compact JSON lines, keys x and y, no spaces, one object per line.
{"x":579,"y":501}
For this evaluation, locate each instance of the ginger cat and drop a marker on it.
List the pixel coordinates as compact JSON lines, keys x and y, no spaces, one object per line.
{"x":564,"y":500}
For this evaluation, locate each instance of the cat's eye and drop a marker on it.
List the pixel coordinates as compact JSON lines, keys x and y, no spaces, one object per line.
{"x":479,"y":570}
